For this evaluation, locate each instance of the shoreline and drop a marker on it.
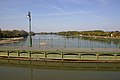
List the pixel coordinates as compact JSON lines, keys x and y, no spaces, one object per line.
{"x":10,"y":40}
{"x":103,"y":37}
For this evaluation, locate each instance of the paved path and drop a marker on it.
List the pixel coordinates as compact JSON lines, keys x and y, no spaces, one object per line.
{"x":62,"y":49}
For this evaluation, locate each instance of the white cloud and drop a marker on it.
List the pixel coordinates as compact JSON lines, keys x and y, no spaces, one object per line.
{"x":83,"y":14}
{"x":63,"y":13}
{"x":104,"y":2}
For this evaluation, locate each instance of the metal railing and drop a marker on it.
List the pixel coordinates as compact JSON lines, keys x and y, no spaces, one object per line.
{"x":65,"y":43}
{"x":58,"y":55}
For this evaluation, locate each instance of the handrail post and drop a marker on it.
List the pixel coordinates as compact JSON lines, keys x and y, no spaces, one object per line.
{"x":18,"y":53}
{"x":18,"y":56}
{"x":115,"y":56}
{"x":30,"y":53}
{"x":79,"y":56}
{"x":62,"y":56}
{"x":8,"y":53}
{"x":97,"y":56}
{"x":45,"y":55}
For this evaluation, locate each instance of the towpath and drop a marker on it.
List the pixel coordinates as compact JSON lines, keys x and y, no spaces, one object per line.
{"x":61,"y":49}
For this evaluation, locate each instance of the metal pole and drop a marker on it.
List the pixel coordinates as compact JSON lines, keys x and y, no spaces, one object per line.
{"x":39,"y":42}
{"x":65,"y":43}
{"x":78,"y":41}
{"x":52,"y":42}
{"x":29,"y":16}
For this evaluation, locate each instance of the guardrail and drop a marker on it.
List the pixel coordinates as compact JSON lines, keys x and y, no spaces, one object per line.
{"x":61,"y":56}
{"x":66,"y":43}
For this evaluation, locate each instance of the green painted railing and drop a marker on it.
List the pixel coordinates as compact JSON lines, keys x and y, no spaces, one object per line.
{"x":59,"y":55}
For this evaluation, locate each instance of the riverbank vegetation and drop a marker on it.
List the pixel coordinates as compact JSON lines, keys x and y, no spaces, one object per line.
{"x":9,"y":36}
{"x":91,"y":33}
{"x":94,"y":33}
{"x":13,"y":33}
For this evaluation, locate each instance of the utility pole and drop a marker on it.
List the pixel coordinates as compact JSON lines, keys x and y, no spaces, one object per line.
{"x":30,"y":37}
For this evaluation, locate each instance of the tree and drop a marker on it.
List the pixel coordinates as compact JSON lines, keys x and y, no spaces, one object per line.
{"x":12,"y":34}
{"x":0,"y":33}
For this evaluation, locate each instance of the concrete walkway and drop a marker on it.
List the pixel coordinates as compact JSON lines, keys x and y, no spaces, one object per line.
{"x":116,"y":50}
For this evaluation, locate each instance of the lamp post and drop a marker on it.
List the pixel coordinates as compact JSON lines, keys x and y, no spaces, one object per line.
{"x":30,"y":37}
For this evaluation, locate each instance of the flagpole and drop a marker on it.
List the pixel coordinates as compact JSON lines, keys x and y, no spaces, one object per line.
{"x":30,"y":37}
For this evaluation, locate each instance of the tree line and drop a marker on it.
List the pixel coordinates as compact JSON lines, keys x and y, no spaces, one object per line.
{"x":12,"y":33}
{"x":90,"y":33}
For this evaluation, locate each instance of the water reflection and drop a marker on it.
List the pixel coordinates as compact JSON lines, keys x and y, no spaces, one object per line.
{"x":36,"y":70}
{"x":107,"y":40}
{"x":83,"y":66}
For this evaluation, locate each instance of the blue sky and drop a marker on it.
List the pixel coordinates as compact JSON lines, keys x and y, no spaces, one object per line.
{"x":60,"y":15}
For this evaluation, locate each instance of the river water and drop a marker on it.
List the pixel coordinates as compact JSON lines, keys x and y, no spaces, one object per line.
{"x":21,"y":70}
{"x":58,"y":71}
{"x":62,"y":41}
{"x":17,"y":73}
